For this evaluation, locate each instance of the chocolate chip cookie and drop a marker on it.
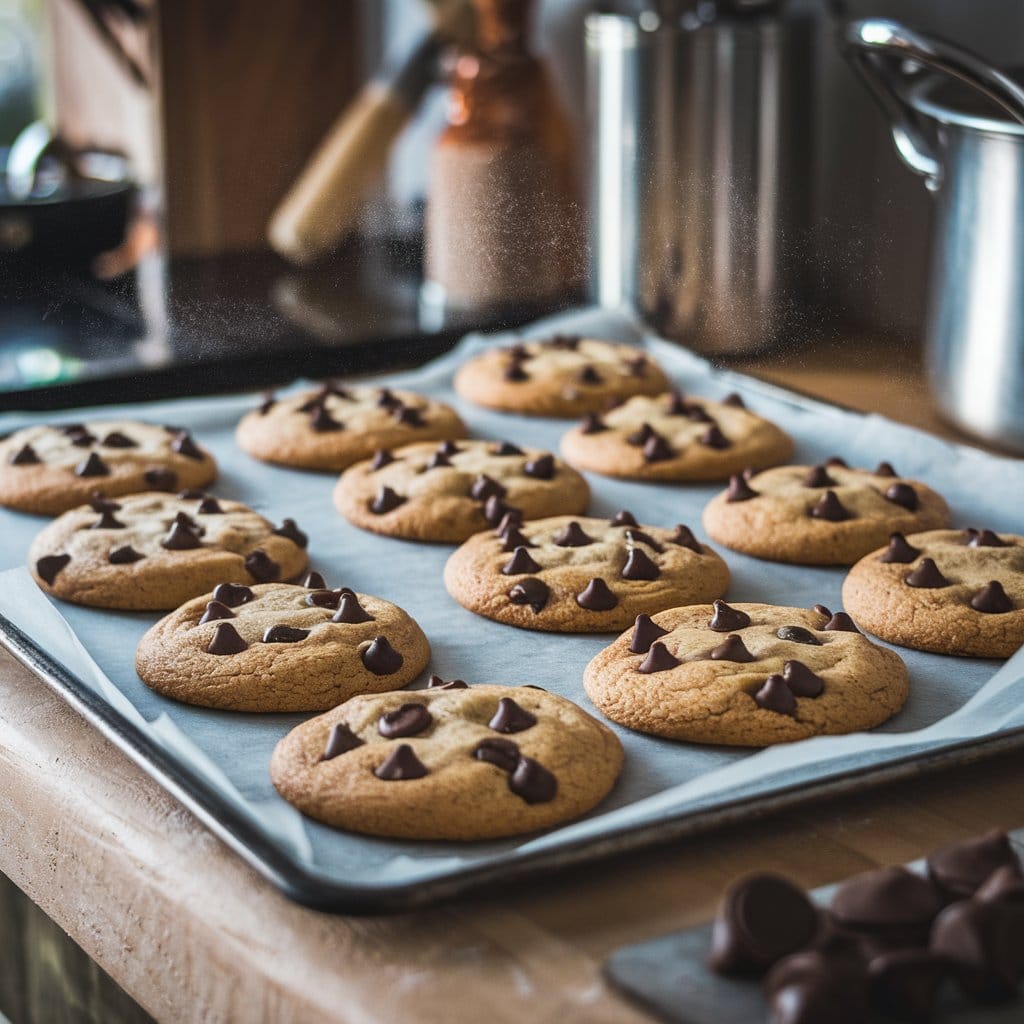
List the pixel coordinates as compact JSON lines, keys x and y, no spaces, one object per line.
{"x":49,"y":470}
{"x":747,"y":675}
{"x":828,"y":514}
{"x":948,"y":591}
{"x":152,"y":552}
{"x":333,"y":426}
{"x":451,"y":762}
{"x":450,"y":491}
{"x":562,"y":376}
{"x":281,"y":647}
{"x":572,"y":575}
{"x":675,"y":437}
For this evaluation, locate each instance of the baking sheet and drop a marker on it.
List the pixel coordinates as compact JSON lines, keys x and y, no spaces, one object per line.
{"x":222,"y":757}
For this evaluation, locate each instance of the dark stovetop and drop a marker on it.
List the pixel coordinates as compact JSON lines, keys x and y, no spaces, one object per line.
{"x":210,"y":325}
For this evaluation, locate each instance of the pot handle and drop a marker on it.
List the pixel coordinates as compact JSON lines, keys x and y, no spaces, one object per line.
{"x":876,"y":47}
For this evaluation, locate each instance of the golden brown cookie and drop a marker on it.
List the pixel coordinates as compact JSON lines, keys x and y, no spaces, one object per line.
{"x":948,"y":591}
{"x":451,"y":762}
{"x":562,"y":376}
{"x":676,"y":437}
{"x":152,"y":552}
{"x":569,"y":574}
{"x":828,"y":514}
{"x":48,"y":470}
{"x":333,"y":426}
{"x":747,"y":675}
{"x":450,"y":491}
{"x":281,"y":647}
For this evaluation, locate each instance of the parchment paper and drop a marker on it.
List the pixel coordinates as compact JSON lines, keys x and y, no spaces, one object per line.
{"x":951,"y":698}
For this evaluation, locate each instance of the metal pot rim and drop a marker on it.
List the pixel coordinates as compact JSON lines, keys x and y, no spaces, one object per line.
{"x":919,"y":96}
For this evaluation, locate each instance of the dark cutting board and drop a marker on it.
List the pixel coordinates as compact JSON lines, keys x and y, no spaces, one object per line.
{"x":669,"y":978}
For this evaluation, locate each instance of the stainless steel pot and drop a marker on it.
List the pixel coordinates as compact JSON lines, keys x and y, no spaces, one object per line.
{"x":972,"y":160}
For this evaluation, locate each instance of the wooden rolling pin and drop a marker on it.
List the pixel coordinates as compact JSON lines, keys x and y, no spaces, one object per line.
{"x":323,"y":204}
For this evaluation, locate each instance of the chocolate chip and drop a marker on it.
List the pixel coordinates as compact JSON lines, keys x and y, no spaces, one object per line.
{"x":762,"y":918}
{"x":381,"y":458}
{"x":408,"y":416}
{"x":823,"y":611}
{"x":739,"y":489}
{"x":726,"y":618}
{"x":639,"y":537}
{"x":573,"y":535}
{"x":885,"y":469}
{"x":540,"y":468}
{"x":813,"y":987}
{"x":408,"y":720}
{"x":568,"y":342}
{"x":232,"y":594}
{"x":267,"y":402}
{"x":510,"y":717}
{"x":437,"y":683}
{"x":181,"y":538}
{"x":48,"y":567}
{"x":439,"y":461}
{"x":900,"y":550}
{"x":623,"y":518}
{"x":314,"y":581}
{"x":1005,"y":883}
{"x":699,"y":414}
{"x":261,"y":567}
{"x":960,"y":868}
{"x":290,"y":531}
{"x":161,"y":479}
{"x":677,"y":404}
{"x":282,"y":634}
{"x":115,"y":439}
{"x":905,"y":983}
{"x":511,"y":520}
{"x":734,"y":400}
{"x":387,"y":399}
{"x":386,"y":501}
{"x":518,"y":352}
{"x":520,"y":563}
{"x":639,"y":566}
{"x":834,"y":460}
{"x":68,"y":429}
{"x":340,"y":741}
{"x":885,"y":898}
{"x":797,"y":635}
{"x":659,"y":659}
{"x":592,"y":424}
{"x":332,"y":387}
{"x":685,"y":539}
{"x":504,"y":754}
{"x":184,"y":445}
{"x":485,"y":487}
{"x":107,"y":521}
{"x":819,"y":477}
{"x":645,"y":632}
{"x":588,"y":375}
{"x":400,"y":764}
{"x":83,"y":440}
{"x":636,"y":366}
{"x":514,"y":372}
{"x":226,"y":641}
{"x":381,"y":658}
{"x":597,"y":597}
{"x":830,"y":508}
{"x":841,"y":623}
{"x":902,"y":494}
{"x":732,"y":648}
{"x":926,"y":576}
{"x":216,"y":610}
{"x":657,"y":449}
{"x":775,"y":695}
{"x":448,"y":448}
{"x":92,"y":466}
{"x":495,"y":510}
{"x":532,"y":781}
{"x":801,"y":680}
{"x":351,"y":611}
{"x":641,"y":436}
{"x":531,"y":591}
{"x":986,"y":539}
{"x":124,"y":555}
{"x":25,"y":456}
{"x":324,"y":598}
{"x":322,"y":421}
{"x":714,"y":438}
{"x":992,"y":599}
{"x":515,"y":539}
{"x":315,"y":401}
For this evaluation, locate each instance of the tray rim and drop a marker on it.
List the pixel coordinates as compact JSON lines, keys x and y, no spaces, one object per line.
{"x":307,"y":887}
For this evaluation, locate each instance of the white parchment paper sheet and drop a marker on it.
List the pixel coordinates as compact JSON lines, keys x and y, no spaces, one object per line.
{"x":952,"y":699}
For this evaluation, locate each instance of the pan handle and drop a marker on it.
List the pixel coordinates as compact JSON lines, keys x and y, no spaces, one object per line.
{"x":877,"y":48}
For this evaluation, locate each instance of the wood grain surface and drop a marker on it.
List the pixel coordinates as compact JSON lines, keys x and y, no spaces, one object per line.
{"x":193,"y":934}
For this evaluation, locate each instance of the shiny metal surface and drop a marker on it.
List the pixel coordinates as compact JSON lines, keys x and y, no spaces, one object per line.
{"x":974,"y":166}
{"x":699,"y":192}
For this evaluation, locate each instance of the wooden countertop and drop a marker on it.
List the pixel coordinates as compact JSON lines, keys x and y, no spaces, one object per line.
{"x":192,"y":933}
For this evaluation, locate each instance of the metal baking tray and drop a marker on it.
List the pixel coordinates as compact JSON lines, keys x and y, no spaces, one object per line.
{"x":214,"y":763}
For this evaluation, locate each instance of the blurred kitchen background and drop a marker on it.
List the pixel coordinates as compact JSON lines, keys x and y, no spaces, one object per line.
{"x":167,"y":134}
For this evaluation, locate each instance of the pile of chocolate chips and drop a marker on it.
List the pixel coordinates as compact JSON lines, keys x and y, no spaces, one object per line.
{"x":892,"y":945}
